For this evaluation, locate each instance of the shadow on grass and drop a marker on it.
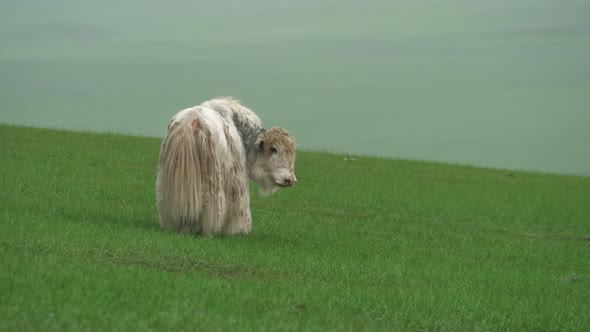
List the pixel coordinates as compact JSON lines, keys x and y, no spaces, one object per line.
{"x":117,"y":217}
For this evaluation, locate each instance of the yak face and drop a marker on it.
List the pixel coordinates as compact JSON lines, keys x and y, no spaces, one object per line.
{"x":274,"y":167}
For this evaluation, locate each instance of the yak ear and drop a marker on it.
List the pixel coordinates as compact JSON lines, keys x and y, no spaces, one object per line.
{"x":259,"y":144}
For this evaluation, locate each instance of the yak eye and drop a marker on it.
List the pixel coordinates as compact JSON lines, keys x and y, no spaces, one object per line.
{"x":273,"y":149}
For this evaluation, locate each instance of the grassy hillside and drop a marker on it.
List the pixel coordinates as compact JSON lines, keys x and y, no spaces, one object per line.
{"x":367,"y":244}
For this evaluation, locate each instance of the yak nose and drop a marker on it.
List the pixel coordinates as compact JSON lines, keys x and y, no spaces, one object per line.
{"x":290,"y":181}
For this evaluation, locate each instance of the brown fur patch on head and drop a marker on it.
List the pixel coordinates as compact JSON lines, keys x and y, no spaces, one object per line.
{"x":279,"y":138}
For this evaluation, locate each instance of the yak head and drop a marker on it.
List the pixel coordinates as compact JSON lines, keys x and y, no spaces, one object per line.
{"x":274,"y":167}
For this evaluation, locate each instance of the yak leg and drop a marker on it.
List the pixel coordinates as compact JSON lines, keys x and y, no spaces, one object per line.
{"x":239,"y":218}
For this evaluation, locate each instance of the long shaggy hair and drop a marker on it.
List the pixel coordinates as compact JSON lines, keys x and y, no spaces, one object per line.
{"x":206,"y":159}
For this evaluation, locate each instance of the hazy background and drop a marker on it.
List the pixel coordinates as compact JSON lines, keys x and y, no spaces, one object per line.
{"x":491,"y":83}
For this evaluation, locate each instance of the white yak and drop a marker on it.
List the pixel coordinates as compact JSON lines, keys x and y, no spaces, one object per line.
{"x":207,"y":156}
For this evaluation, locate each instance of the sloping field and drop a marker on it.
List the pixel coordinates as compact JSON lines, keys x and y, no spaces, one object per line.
{"x":359,"y":244}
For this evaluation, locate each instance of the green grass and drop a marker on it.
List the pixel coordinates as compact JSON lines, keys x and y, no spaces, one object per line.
{"x":371,"y":244}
